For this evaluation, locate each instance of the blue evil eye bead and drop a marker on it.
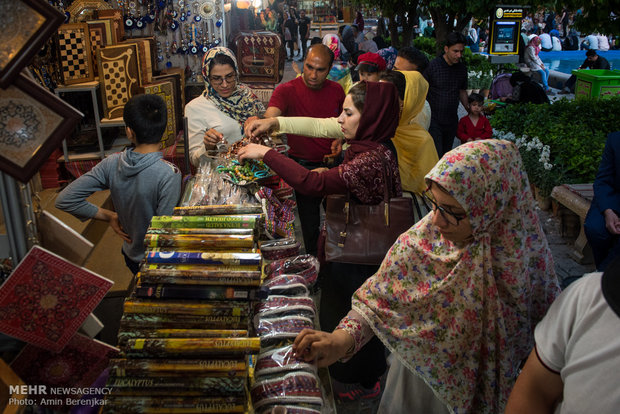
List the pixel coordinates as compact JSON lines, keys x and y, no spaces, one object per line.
{"x":217,"y":42}
{"x":174,"y":25}
{"x":168,"y":64}
{"x":149,"y":18}
{"x":205,"y":48}
{"x":194,"y":50}
{"x":129,"y":23}
{"x":197,"y":18}
{"x":219,"y":23}
{"x":175,"y":14}
{"x":140,"y":23}
{"x":67,"y":17}
{"x":183,"y":17}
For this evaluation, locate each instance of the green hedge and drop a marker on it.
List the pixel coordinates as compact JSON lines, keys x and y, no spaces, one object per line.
{"x":575,"y":132}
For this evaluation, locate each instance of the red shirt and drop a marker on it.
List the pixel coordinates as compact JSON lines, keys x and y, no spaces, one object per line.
{"x":468,"y":132}
{"x":294,"y":98}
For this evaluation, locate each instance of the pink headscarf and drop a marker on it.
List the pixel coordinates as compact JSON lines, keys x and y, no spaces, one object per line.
{"x":332,"y":42}
{"x":535,"y":43}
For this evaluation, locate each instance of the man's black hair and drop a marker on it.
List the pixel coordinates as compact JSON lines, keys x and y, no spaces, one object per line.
{"x":591,"y":52}
{"x":414,"y":56}
{"x":146,"y":116}
{"x":455,"y":38}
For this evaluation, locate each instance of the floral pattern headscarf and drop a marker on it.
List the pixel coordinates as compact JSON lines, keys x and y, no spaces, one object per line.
{"x":242,"y":104}
{"x":462,"y":317}
{"x":535,"y":43}
{"x":388,"y":54}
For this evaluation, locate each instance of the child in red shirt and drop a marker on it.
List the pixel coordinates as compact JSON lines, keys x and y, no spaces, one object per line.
{"x":475,"y":125}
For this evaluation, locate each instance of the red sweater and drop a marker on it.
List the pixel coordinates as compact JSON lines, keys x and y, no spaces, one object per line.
{"x":468,"y":132}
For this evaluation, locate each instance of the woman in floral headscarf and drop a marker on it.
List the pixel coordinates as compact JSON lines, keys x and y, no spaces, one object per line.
{"x":339,"y":71}
{"x":219,"y":113}
{"x":458,"y":295}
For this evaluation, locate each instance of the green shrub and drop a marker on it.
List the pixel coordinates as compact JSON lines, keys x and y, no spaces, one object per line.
{"x":574,"y":131}
{"x":427,"y":45}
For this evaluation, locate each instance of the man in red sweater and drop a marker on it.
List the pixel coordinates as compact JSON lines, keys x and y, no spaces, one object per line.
{"x":310,"y":94}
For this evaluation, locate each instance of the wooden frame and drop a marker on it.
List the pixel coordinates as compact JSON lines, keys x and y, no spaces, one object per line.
{"x":82,"y":10}
{"x":33,"y":122}
{"x":32,"y":22}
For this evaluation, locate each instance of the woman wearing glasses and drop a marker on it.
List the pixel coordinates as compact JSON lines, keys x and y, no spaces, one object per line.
{"x":218,"y":114}
{"x":368,"y":120}
{"x":458,"y":295}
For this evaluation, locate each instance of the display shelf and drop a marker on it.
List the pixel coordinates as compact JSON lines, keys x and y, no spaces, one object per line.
{"x":118,"y":145}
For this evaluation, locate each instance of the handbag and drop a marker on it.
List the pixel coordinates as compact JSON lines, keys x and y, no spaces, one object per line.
{"x":363,"y":234}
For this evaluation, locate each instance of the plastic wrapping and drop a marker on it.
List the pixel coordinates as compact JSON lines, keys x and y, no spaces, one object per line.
{"x":305,"y":265}
{"x":210,"y":188}
{"x":284,"y":327}
{"x":290,"y":409}
{"x":287,"y":285}
{"x":277,"y":305}
{"x":280,"y":248}
{"x":280,"y":360}
{"x":296,"y":387}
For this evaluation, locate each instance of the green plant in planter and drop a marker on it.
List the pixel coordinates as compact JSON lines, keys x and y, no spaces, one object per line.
{"x":428,"y":45}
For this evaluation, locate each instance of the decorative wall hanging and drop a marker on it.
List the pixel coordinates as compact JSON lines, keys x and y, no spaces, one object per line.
{"x":118,"y":75}
{"x":26,"y":24}
{"x":166,"y":90}
{"x":46,"y":299}
{"x":74,"y":53}
{"x":33,"y":122}
{"x":260,"y":56}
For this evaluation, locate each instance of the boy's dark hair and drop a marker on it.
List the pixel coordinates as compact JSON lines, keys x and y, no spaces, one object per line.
{"x":146,"y":116}
{"x":591,"y":52}
{"x":414,"y":56}
{"x":398,"y":79}
{"x":475,"y":97}
{"x":455,"y":38}
{"x":315,"y":40}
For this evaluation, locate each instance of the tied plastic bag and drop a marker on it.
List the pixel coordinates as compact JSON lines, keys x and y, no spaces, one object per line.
{"x":287,"y":285}
{"x":290,"y":409}
{"x":280,"y":328}
{"x":278,"y":305}
{"x":305,"y":265}
{"x":280,"y":248}
{"x":280,"y":360}
{"x":296,"y":387}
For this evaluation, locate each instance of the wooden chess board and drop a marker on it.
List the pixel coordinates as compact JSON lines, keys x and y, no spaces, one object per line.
{"x":74,"y":53}
{"x":118,"y":76}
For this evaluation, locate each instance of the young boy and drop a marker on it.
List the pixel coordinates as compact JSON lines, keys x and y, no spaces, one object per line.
{"x":475,"y":125}
{"x":141,"y":183}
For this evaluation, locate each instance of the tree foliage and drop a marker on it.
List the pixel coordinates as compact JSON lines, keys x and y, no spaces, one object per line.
{"x":598,"y":15}
{"x":397,"y":10}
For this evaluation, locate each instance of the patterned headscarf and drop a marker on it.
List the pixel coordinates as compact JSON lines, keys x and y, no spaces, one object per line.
{"x":333,"y":43}
{"x":242,"y":104}
{"x":388,"y":54}
{"x":462,"y":317}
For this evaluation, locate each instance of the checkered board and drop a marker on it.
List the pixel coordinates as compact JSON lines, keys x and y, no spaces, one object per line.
{"x":166,"y":90}
{"x":97,"y":41}
{"x":118,"y":76}
{"x":74,"y":53}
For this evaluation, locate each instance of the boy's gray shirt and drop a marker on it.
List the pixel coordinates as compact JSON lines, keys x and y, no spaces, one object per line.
{"x":141,"y":186}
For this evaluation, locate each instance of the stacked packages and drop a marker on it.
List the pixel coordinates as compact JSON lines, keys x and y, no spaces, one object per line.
{"x":185,"y":333}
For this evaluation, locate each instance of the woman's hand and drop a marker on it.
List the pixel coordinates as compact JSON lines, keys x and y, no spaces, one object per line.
{"x":211,"y":138}
{"x":322,"y":347}
{"x":320,"y":170}
{"x":252,"y":152}
{"x":256,"y":127}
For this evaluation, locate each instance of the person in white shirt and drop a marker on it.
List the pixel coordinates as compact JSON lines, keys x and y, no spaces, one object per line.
{"x":557,"y":44}
{"x":603,"y":43}
{"x":590,"y":42}
{"x":575,"y":362}
{"x":546,"y":44}
{"x":219,"y":113}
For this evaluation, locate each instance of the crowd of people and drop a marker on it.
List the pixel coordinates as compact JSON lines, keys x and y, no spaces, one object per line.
{"x":460,"y":299}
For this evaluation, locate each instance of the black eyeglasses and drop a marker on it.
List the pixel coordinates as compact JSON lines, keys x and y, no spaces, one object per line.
{"x":218,"y":80}
{"x":451,"y":218}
